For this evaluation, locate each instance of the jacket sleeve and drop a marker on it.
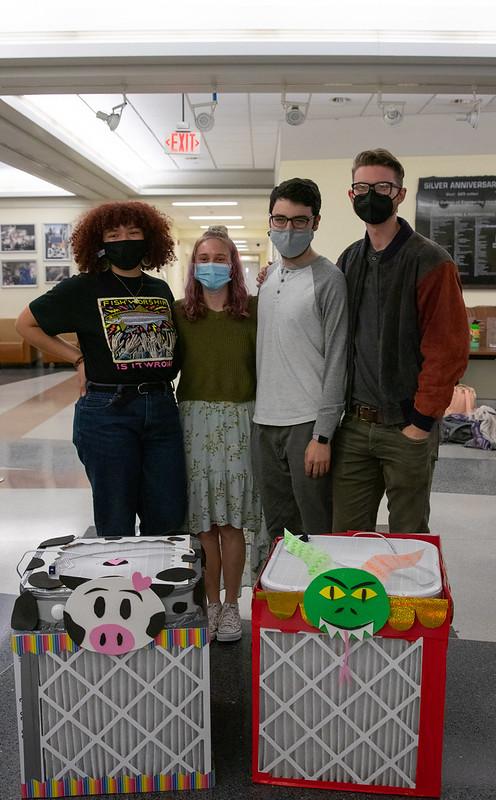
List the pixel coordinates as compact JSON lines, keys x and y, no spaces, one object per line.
{"x":332,"y":303}
{"x":444,"y":342}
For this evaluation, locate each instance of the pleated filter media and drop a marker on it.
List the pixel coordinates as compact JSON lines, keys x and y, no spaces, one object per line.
{"x":84,"y":716}
{"x":314,"y":728}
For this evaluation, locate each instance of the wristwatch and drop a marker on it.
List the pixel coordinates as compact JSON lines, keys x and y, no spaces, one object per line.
{"x":320,"y":439}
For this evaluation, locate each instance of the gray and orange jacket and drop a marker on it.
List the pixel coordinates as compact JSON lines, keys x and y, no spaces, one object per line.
{"x":424,"y":344}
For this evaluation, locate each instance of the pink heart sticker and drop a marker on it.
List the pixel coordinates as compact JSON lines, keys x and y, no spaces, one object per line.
{"x":140,"y":581}
{"x":114,"y":562}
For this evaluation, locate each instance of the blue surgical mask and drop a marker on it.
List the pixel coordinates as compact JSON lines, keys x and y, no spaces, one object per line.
{"x":211,"y":275}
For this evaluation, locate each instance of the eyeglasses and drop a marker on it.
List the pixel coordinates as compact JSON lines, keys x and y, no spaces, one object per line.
{"x":381,"y":187}
{"x":280,"y":221}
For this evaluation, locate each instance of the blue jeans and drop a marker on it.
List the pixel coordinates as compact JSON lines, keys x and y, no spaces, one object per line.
{"x":132,"y":451}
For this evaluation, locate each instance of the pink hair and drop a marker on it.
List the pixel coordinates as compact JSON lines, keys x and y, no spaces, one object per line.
{"x":194,"y":305}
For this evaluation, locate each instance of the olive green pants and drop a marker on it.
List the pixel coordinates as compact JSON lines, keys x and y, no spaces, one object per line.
{"x":369,"y":459}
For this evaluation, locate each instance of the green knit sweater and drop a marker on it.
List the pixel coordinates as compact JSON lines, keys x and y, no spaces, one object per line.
{"x":217,"y":356}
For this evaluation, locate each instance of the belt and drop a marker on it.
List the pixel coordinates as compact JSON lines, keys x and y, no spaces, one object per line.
{"x":137,"y":388}
{"x":367,"y":413}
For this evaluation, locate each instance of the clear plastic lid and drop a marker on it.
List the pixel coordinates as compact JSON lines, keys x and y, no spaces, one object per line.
{"x":288,"y":573}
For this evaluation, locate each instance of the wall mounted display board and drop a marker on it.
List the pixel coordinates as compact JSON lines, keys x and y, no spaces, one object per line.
{"x":459,"y":213}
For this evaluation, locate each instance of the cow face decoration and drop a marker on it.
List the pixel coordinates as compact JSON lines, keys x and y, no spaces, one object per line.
{"x":114,"y":615}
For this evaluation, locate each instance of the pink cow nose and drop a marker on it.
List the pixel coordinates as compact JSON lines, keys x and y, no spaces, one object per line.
{"x":111,"y":639}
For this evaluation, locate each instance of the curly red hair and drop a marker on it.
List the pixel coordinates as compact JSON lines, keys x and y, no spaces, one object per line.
{"x":194,"y":305}
{"x":87,"y":237}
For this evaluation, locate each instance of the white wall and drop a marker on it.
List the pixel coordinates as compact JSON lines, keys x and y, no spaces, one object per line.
{"x":340,"y":226}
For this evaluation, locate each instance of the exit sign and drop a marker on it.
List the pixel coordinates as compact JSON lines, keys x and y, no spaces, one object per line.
{"x":183,"y":142}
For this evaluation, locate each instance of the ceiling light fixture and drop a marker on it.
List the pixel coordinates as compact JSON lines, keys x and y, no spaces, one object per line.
{"x":295,"y":111}
{"x":230,"y":227}
{"x":392,"y":112}
{"x":204,"y":120}
{"x":113,"y":119}
{"x":216,"y":216}
{"x":472,"y":116}
{"x":206,"y":203}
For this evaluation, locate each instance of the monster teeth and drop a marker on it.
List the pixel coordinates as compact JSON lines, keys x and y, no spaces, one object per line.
{"x":358,"y":633}
{"x":331,"y":629}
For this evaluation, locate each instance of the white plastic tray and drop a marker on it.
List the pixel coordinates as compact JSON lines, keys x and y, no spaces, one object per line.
{"x":287,"y":573}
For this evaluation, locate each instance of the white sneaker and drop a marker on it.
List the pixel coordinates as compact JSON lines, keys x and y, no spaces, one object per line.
{"x":229,"y":625}
{"x":213,"y":612}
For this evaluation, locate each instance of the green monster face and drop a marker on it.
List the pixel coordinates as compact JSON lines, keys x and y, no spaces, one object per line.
{"x":347,"y":599}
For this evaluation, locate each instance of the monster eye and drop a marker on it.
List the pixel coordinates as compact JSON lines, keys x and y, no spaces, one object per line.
{"x":332,"y":592}
{"x":364,"y":593}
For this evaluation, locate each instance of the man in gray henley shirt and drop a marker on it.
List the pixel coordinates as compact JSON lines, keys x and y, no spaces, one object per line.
{"x":301,"y":362}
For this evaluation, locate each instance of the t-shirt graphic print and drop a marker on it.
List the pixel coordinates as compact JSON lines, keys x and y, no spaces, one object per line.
{"x":138,"y":329}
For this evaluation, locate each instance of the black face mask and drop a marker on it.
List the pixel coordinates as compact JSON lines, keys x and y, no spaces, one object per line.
{"x":373,"y":208}
{"x":126,"y":254}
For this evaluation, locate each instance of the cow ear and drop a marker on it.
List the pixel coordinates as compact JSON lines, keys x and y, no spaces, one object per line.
{"x":74,"y":631}
{"x":162,"y":589}
{"x":25,"y":612}
{"x":71,"y":581}
{"x":157,"y":622}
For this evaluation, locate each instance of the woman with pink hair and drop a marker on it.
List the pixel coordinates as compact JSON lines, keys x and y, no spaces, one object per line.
{"x":217,"y":339}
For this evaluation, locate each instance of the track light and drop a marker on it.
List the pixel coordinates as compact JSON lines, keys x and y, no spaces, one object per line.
{"x":204,"y":120}
{"x":295,"y":112}
{"x":472,"y":116}
{"x":114,"y":117}
{"x":392,"y":113}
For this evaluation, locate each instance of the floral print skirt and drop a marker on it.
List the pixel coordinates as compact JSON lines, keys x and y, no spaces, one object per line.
{"x":221,"y":488}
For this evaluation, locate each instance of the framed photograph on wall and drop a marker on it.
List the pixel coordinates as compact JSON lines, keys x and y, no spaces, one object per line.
{"x":17,"y":238}
{"x":54,"y":273}
{"x":18,"y":274}
{"x":57,"y":241}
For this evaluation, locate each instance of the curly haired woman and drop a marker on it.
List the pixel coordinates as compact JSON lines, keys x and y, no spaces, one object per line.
{"x":126,"y":425}
{"x":217,"y":338}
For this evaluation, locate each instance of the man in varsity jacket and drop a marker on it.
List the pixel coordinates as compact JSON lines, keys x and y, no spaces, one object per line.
{"x":301,"y":359}
{"x":408,"y":347}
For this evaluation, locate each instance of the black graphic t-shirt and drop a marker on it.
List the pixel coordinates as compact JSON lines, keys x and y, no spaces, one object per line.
{"x":124,"y":339}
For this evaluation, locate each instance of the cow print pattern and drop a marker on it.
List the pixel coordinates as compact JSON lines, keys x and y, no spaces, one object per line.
{"x":179,"y":608}
{"x":42,"y":580}
{"x":60,"y":540}
{"x":176,"y":574}
{"x":35,"y":563}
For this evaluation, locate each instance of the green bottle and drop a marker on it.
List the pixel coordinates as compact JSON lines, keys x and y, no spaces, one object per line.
{"x":475,"y":334}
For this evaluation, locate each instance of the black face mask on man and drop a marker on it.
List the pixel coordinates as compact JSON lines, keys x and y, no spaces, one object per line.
{"x":126,"y":254}
{"x":372,"y":207}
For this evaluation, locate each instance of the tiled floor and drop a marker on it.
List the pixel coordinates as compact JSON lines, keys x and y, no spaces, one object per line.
{"x":44,"y":493}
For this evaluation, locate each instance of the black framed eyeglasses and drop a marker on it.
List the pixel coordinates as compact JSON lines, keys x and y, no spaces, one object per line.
{"x":280,"y":221}
{"x":360,"y":188}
